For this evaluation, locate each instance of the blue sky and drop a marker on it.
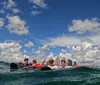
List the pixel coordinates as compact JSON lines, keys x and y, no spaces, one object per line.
{"x":48,"y":21}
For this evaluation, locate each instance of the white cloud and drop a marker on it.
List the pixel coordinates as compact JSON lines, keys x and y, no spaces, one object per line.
{"x":39,"y":55}
{"x":3,"y":45}
{"x":63,"y":51}
{"x":15,"y":10}
{"x":82,"y":49}
{"x":44,"y":47}
{"x":16,"y":25}
{"x":84,"y":55}
{"x":40,"y":3}
{"x":1,"y":22}
{"x":37,"y":4}
{"x":84,"y":26}
{"x":12,"y":45}
{"x":35,"y":12}
{"x":62,"y":41}
{"x":35,"y":7}
{"x":96,"y":39}
{"x":10,"y":4}
{"x":29,"y":44}
{"x":10,"y":52}
{"x":38,"y":52}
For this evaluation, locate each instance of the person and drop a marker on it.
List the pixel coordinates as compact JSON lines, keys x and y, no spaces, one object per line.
{"x":37,"y":66}
{"x":76,"y":65}
{"x":51,"y":64}
{"x":25,"y":63}
{"x":63,"y":64}
{"x":13,"y":66}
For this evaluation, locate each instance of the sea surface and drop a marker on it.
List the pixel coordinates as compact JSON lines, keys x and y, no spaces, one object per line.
{"x":76,"y":76}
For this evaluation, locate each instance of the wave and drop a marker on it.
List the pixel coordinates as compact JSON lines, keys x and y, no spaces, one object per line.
{"x":84,"y":75}
{"x":4,"y":64}
{"x":78,"y":76}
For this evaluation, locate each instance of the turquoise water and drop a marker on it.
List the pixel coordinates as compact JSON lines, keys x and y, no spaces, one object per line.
{"x":78,"y":76}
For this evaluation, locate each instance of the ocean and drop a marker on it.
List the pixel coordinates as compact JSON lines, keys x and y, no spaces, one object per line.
{"x":76,"y":76}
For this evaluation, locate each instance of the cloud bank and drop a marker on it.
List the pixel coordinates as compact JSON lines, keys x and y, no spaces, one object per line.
{"x":85,"y":26}
{"x":11,"y":52}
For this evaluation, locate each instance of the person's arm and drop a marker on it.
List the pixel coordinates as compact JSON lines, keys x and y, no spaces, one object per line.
{"x":29,"y":66}
{"x":42,"y":63}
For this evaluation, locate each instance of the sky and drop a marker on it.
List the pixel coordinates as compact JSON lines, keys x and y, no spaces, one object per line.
{"x":47,"y":27}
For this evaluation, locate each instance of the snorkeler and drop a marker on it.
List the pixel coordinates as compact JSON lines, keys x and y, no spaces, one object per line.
{"x":76,"y":65}
{"x":37,"y":66}
{"x":63,"y":64}
{"x":51,"y":64}
{"x":25,"y":63}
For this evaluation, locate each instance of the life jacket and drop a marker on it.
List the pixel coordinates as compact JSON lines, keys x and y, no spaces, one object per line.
{"x":77,"y":65}
{"x":37,"y":65}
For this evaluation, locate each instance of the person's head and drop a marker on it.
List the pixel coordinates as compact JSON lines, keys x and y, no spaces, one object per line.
{"x":63,"y":63}
{"x":75,"y":62}
{"x":26,"y":60}
{"x":34,"y":61}
{"x":51,"y":61}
